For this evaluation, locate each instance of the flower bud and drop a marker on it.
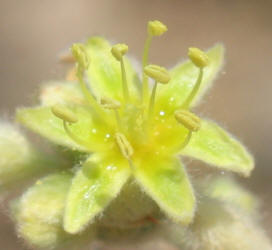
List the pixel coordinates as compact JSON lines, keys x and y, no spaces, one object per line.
{"x":119,"y":50}
{"x":16,"y":156}
{"x":198,"y":57}
{"x":64,"y":113}
{"x":108,"y":103}
{"x":38,"y":213}
{"x":156,"y":28}
{"x":158,"y":73}
{"x":80,"y":54}
{"x":188,"y":119}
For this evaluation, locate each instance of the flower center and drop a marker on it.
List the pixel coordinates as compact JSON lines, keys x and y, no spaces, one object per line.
{"x":136,"y":124}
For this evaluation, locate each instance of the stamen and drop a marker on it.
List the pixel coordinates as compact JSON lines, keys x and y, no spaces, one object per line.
{"x":108,"y":103}
{"x":160,"y":75}
{"x":124,"y":145}
{"x":154,"y":28}
{"x":118,"y":51}
{"x":83,"y":61}
{"x":190,"y":121}
{"x":201,"y":60}
{"x":64,"y":113}
{"x":67,"y":116}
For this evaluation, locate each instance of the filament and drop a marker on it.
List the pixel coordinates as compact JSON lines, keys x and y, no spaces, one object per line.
{"x":144,"y":63}
{"x":192,"y":95}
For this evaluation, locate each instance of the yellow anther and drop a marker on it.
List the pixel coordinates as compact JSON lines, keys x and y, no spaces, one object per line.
{"x":108,"y":103}
{"x":158,"y":73}
{"x":80,"y":54}
{"x":64,"y":113}
{"x":156,"y":28}
{"x":188,"y":119}
{"x":124,"y":145}
{"x":119,"y":50}
{"x":198,"y":57}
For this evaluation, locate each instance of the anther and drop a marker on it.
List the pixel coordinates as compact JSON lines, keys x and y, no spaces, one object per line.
{"x":198,"y":57}
{"x":188,"y":119}
{"x":64,"y":113}
{"x":80,"y":54}
{"x":124,"y":145}
{"x":108,"y":103}
{"x":83,"y":61}
{"x":160,"y":75}
{"x":156,"y":28}
{"x":200,"y":60}
{"x":118,"y":51}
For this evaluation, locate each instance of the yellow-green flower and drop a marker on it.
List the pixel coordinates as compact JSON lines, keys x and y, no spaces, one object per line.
{"x":132,"y":129}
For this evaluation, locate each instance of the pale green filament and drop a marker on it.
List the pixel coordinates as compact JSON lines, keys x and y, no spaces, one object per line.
{"x":152,"y":99}
{"x":124,"y":81}
{"x":89,"y":97}
{"x":187,"y":140}
{"x":192,"y":95}
{"x":73,"y":136}
{"x":144,"y":63}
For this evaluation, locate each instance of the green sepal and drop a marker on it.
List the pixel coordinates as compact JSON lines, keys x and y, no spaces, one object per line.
{"x":42,"y":121}
{"x":215,"y":146}
{"x":94,"y":186}
{"x":38,"y":213}
{"x":166,"y":182}
{"x":183,"y":78}
{"x":105,"y":73}
{"x":61,"y":92}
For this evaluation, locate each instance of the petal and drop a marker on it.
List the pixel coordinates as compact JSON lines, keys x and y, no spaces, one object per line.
{"x":105,"y":72}
{"x":183,"y":78}
{"x":42,"y":121}
{"x":63,"y":92}
{"x":165,"y":180}
{"x":93,"y":188}
{"x":215,"y":146}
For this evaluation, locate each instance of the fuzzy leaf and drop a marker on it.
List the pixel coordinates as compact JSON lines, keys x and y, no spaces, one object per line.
{"x":93,"y":188}
{"x":42,"y":121}
{"x":183,"y":78}
{"x":104,"y":71}
{"x":215,"y":146}
{"x":166,"y":182}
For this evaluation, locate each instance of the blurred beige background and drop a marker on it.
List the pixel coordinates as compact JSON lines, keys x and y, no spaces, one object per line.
{"x":34,"y":32}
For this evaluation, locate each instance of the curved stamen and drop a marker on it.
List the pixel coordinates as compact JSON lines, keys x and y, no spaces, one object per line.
{"x":73,"y":136}
{"x":68,"y":116}
{"x":189,"y":121}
